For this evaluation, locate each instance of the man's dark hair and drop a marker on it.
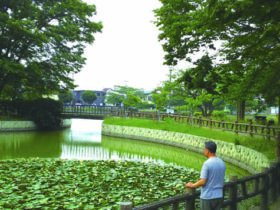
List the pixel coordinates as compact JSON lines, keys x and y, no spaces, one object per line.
{"x":211,"y":146}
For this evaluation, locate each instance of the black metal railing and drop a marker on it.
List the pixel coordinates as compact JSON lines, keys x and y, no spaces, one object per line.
{"x":266,"y":185}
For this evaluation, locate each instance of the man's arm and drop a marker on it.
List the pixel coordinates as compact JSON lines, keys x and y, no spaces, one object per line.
{"x":201,"y":182}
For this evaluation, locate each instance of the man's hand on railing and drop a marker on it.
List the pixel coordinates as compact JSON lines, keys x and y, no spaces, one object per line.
{"x":200,"y":183}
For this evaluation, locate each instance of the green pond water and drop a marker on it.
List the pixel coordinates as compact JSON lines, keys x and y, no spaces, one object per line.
{"x":84,"y":141}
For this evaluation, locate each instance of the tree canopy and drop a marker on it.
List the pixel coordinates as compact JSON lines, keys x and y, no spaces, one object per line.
{"x":131,"y":100}
{"x":249,"y":33}
{"x":89,"y":96}
{"x":42,"y":43}
{"x":160,"y":100}
{"x":66,"y":97}
{"x":119,"y":93}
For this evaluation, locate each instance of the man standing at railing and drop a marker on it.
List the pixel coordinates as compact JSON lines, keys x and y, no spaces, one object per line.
{"x":211,"y":179}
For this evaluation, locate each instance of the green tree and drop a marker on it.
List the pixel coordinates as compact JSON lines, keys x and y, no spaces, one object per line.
{"x":89,"y":96}
{"x":119,"y":93}
{"x":114,"y":98}
{"x":131,"y":100}
{"x":194,"y":103}
{"x":177,"y":91}
{"x":161,"y":100}
{"x":202,"y":79}
{"x":249,"y":31}
{"x":41,"y":44}
{"x":66,"y":97}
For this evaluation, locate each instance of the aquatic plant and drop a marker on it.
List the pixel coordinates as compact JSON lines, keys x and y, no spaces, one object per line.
{"x":76,"y":184}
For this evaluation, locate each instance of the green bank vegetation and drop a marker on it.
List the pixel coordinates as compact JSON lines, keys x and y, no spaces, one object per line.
{"x":162,"y":153}
{"x":260,"y":144}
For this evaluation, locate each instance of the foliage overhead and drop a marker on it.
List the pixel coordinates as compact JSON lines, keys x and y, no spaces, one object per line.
{"x":42,"y":43}
{"x":248,"y":31}
{"x":201,"y":80}
{"x":203,"y":77}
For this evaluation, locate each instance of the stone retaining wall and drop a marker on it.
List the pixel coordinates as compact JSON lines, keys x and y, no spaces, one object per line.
{"x":26,"y":125}
{"x":241,"y":156}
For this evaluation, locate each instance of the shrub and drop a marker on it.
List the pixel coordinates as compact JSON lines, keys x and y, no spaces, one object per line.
{"x":14,"y":108}
{"x":218,"y":114}
{"x":236,"y":141}
{"x":169,"y":120}
{"x":226,"y":111}
{"x":186,"y":113}
{"x":197,"y":114}
{"x":46,"y":113}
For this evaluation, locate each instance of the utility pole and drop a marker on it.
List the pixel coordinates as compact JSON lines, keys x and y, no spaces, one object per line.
{"x":170,"y":71}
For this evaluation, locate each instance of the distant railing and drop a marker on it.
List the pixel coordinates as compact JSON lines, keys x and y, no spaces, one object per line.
{"x":249,"y":128}
{"x":88,"y":109}
{"x":265,"y":184}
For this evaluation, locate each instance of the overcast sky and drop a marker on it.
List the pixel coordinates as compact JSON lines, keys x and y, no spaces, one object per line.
{"x":127,"y":52}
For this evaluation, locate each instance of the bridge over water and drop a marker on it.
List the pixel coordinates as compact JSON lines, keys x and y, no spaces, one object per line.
{"x":89,"y":111}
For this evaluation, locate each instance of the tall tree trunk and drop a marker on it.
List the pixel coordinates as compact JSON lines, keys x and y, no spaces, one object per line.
{"x":1,"y":89}
{"x":240,"y":110}
{"x":192,"y":116}
{"x":202,"y":111}
{"x":279,"y":110}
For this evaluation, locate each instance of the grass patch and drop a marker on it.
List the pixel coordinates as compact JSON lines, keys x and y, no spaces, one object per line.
{"x":257,"y":143}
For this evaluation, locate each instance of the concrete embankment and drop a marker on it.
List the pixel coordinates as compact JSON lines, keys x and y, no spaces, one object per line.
{"x":243,"y":157}
{"x":26,"y":125}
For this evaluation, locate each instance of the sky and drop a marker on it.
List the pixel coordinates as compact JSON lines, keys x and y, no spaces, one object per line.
{"x":127,"y":52}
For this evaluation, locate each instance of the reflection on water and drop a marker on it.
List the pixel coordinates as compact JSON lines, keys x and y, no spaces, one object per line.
{"x":30,"y":144}
{"x":84,"y":141}
{"x":85,"y":131}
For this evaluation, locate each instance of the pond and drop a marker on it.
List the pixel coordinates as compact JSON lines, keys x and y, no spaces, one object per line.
{"x":84,"y":141}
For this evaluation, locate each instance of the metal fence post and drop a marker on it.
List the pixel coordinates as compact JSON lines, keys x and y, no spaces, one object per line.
{"x":236,"y":126}
{"x":190,"y":204}
{"x":233,"y":192}
{"x":273,"y":182}
{"x":277,"y":146}
{"x":126,"y":206}
{"x":251,"y":127}
{"x":267,"y":131}
{"x":264,"y":189}
{"x":278,"y":181}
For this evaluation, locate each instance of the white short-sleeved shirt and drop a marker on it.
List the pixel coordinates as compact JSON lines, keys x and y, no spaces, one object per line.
{"x":213,"y":170}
